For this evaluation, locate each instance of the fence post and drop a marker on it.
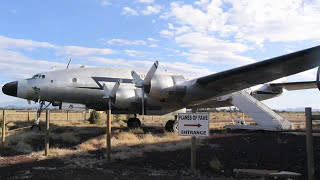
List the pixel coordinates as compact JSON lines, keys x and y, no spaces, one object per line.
{"x":309,"y":140}
{"x":67,"y":115}
{"x":47,"y":132}
{"x":3,"y":127}
{"x":28,"y":115}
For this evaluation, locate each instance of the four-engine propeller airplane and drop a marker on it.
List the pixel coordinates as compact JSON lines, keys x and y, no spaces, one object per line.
{"x":125,"y":91}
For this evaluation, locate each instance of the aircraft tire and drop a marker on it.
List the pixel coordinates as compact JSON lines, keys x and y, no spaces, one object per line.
{"x":169,"y":125}
{"x":35,"y":128}
{"x":133,"y":123}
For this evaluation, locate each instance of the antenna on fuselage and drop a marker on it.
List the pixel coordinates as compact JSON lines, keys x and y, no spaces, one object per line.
{"x":69,"y":63}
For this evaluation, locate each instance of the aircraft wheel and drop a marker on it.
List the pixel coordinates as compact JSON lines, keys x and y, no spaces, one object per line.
{"x":35,"y":128}
{"x":169,"y":126}
{"x":176,"y":126}
{"x":133,"y":123}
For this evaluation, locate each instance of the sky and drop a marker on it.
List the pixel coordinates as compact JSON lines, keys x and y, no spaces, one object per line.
{"x":192,"y":37}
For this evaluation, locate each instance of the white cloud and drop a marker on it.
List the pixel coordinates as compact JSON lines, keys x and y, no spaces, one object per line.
{"x":134,"y":53}
{"x":11,"y":43}
{"x":6,"y":42}
{"x":129,"y":11}
{"x":105,"y":3}
{"x":151,"y":10}
{"x":126,"y":42}
{"x":15,"y":65}
{"x":146,"y":1}
{"x":84,"y":51}
{"x":153,"y":45}
{"x":166,"y":33}
{"x":152,"y":39}
{"x":188,"y":70}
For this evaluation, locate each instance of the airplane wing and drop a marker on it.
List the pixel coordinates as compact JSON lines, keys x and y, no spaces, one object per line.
{"x":236,"y":79}
{"x":290,"y":86}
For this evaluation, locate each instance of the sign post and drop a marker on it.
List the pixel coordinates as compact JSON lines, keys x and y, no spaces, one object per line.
{"x":193,"y":124}
{"x":3,"y":127}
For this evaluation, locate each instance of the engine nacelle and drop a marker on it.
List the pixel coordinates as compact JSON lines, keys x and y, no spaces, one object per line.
{"x":162,"y":86}
{"x":125,"y":97}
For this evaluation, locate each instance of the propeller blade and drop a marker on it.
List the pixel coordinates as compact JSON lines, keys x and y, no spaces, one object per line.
{"x":136,"y":79}
{"x":115,"y":89}
{"x":106,"y":91}
{"x":150,"y":74}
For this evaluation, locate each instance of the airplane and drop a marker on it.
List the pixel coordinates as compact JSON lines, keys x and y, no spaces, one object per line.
{"x":127,"y":90}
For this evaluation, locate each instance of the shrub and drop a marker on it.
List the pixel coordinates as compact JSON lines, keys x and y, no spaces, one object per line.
{"x":94,"y":118}
{"x":117,"y":117}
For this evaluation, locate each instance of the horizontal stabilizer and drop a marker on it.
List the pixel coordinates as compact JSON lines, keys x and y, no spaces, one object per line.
{"x":290,"y":86}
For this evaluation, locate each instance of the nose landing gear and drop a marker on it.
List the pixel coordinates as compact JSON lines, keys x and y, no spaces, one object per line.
{"x":36,"y":127}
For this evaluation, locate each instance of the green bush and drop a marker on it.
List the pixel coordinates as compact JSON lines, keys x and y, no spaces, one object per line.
{"x":94,"y":118}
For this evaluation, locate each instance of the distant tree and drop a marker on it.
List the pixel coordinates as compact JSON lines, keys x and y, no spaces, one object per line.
{"x":94,"y":118}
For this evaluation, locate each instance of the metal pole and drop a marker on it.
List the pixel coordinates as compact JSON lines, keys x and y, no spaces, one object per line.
{"x":3,"y":127}
{"x":193,"y":151}
{"x":309,"y":140}
{"x":67,"y":115}
{"x":28,"y":115}
{"x":142,"y":105}
{"x":108,"y":148}
{"x":47,"y":132}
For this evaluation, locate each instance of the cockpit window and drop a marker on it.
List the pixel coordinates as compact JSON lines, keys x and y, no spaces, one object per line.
{"x":38,"y":76}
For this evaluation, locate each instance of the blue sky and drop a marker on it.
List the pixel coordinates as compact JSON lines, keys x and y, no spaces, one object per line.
{"x":193,"y":37}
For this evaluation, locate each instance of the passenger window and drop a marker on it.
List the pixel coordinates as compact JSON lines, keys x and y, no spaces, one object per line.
{"x":43,"y":76}
{"x":74,"y":80}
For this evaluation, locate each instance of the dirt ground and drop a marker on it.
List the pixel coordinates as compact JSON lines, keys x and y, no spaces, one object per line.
{"x":77,"y":152}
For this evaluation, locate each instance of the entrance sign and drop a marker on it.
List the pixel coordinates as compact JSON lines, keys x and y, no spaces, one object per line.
{"x":193,"y":124}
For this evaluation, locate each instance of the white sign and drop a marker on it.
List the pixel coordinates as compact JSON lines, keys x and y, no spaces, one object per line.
{"x":193,"y":124}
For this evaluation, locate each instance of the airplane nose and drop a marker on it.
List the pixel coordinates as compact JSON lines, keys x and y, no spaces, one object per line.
{"x":10,"y":88}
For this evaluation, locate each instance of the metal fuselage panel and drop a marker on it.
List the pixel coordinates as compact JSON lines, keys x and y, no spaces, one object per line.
{"x":85,"y":86}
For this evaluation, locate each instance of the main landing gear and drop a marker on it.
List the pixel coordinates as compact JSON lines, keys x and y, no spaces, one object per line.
{"x":172,"y":125}
{"x":134,"y":122}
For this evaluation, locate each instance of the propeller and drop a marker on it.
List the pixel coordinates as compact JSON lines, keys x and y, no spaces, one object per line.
{"x":111,"y":94}
{"x":144,"y":84}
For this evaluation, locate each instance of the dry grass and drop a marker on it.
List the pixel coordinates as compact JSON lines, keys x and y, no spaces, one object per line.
{"x":65,"y":136}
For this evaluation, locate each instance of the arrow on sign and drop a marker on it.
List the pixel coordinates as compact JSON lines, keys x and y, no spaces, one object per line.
{"x":193,"y":125}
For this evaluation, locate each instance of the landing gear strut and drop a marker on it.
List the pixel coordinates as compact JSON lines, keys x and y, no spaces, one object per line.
{"x":134,"y":122}
{"x":36,"y":127}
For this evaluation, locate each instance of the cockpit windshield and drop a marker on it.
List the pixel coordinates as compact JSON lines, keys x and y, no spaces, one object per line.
{"x":38,"y":76}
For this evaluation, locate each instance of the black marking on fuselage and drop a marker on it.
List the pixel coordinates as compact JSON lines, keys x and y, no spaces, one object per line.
{"x":265,"y":92}
{"x":107,"y":79}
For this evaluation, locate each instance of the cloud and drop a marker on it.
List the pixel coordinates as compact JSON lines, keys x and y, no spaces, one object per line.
{"x":134,"y":53}
{"x":6,"y":42}
{"x":129,"y":11}
{"x":105,"y":3}
{"x":84,"y":51}
{"x":126,"y":42}
{"x":188,"y":70}
{"x":146,"y":1}
{"x":11,"y":43}
{"x":152,"y":39}
{"x":151,"y":10}
{"x":166,"y":33}
{"x":15,"y":65}
{"x":153,"y":46}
